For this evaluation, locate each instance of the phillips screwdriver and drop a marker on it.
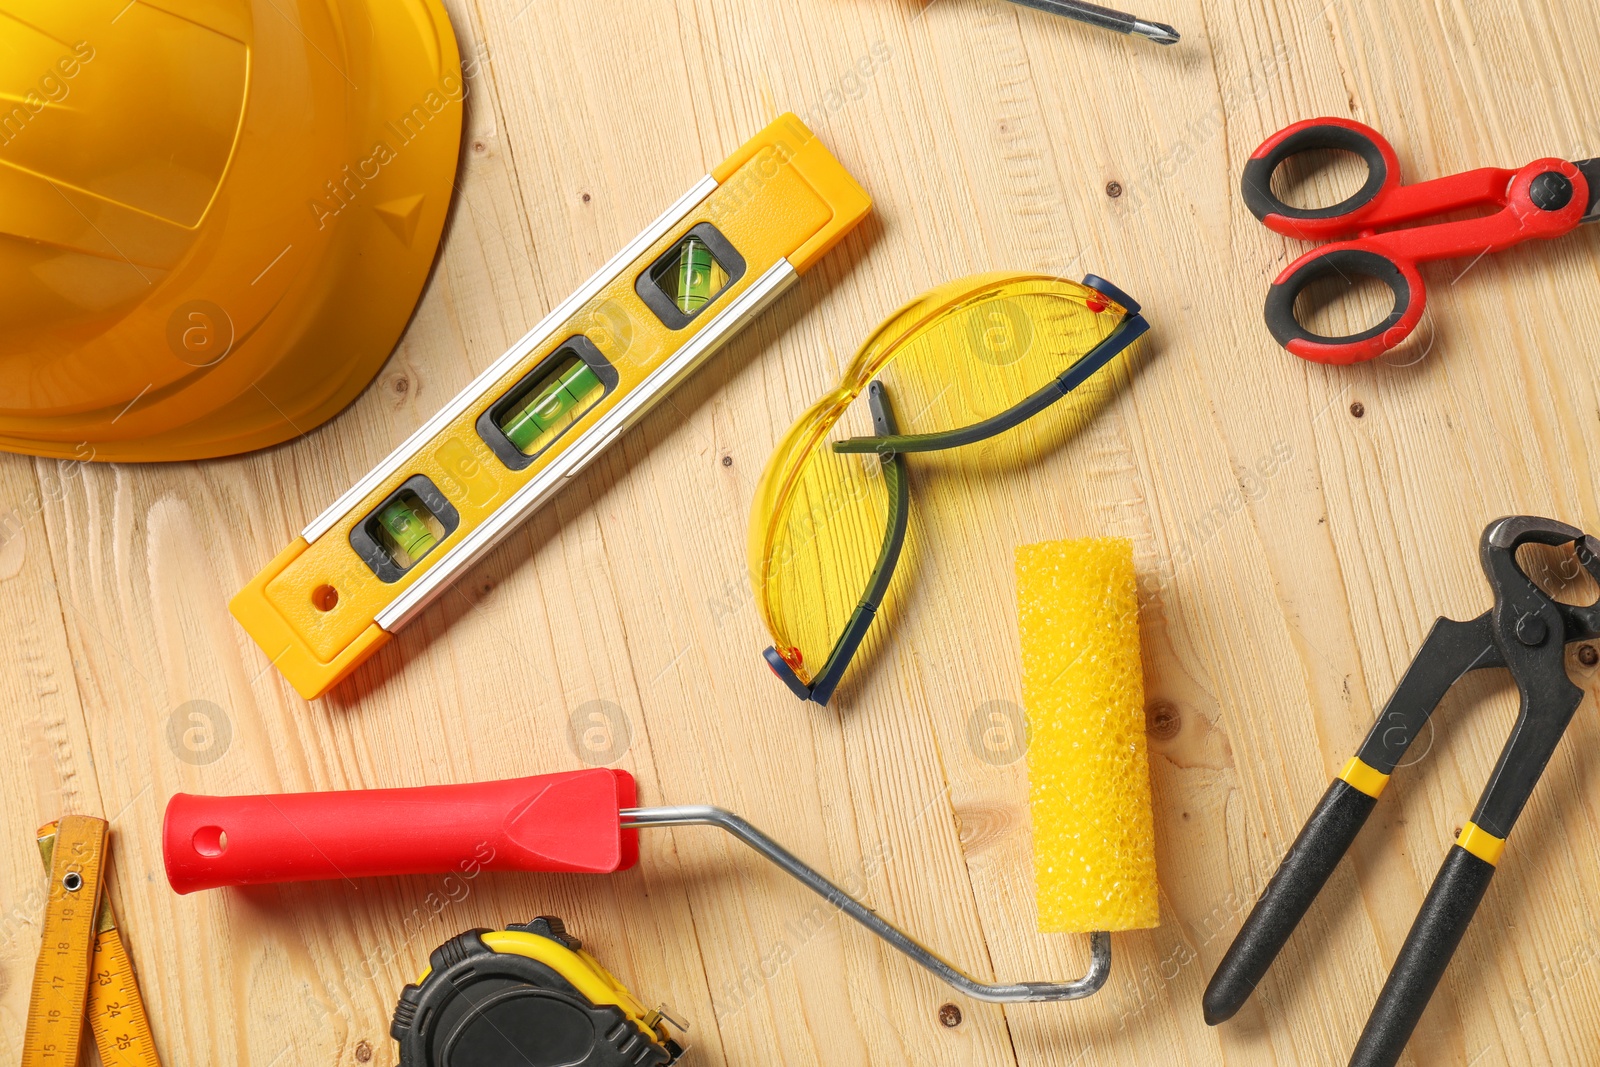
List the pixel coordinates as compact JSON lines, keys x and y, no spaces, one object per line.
{"x":1106,"y":19}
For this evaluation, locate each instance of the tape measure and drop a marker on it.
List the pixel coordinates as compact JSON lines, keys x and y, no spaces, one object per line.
{"x":84,"y":971}
{"x":527,"y":995}
{"x":542,"y":411}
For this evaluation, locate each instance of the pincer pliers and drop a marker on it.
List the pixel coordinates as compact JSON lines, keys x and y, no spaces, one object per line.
{"x":1526,"y":632}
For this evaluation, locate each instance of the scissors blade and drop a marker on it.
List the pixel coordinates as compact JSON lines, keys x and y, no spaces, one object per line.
{"x":1590,"y":169}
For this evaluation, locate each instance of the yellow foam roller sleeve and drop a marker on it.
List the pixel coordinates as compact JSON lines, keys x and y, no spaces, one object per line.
{"x":1088,"y":765}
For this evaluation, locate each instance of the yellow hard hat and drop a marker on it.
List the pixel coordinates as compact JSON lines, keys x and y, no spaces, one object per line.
{"x":215,"y":215}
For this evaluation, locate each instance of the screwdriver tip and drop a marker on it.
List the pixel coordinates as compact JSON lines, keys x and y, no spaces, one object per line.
{"x":1159,"y":32}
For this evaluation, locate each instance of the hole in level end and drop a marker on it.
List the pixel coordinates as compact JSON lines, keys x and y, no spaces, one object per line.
{"x":210,"y":841}
{"x":325,"y":597}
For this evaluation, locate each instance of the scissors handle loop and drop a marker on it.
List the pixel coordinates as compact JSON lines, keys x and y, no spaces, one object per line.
{"x":1545,"y":198}
{"x":1314,"y":135}
{"x":1345,"y":261}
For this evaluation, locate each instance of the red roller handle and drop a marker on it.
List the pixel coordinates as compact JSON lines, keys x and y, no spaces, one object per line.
{"x":552,"y":822}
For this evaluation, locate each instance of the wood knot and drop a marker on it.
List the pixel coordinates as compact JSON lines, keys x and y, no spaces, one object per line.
{"x":980,"y":828}
{"x":1162,"y":721}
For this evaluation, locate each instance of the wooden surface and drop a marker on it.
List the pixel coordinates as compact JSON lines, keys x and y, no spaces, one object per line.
{"x":1294,"y":556}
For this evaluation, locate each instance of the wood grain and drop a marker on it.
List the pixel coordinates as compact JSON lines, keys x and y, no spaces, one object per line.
{"x":1293,"y":554}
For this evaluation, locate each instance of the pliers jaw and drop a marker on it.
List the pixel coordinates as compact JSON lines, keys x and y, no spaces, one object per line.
{"x":1531,"y":630}
{"x":1526,"y":631}
{"x":1519,"y":595}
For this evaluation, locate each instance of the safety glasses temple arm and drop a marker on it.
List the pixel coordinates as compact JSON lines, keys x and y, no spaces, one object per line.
{"x":1127,"y":331}
{"x":855,"y":631}
{"x":1017,"y":992}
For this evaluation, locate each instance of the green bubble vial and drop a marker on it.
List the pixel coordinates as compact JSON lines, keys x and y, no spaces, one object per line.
{"x":551,"y":404}
{"x":407,"y":529}
{"x":693,"y":277}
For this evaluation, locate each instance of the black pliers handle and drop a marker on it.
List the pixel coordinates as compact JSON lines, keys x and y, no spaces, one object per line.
{"x":1526,"y":632}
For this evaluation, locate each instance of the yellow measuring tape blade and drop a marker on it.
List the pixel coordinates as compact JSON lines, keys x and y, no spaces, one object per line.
{"x":116,"y":1011}
{"x":61,"y":977}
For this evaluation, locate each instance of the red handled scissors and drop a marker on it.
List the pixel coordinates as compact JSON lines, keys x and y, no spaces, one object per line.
{"x":1546,"y":198}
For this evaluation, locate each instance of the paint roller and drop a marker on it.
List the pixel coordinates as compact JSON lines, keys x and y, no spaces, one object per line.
{"x":1095,"y":861}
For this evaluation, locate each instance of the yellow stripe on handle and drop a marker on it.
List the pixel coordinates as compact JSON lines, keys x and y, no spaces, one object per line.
{"x":1365,"y":777}
{"x":1482,"y":844}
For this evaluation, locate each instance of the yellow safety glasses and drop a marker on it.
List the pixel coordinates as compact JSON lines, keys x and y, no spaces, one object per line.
{"x":972,"y":359}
